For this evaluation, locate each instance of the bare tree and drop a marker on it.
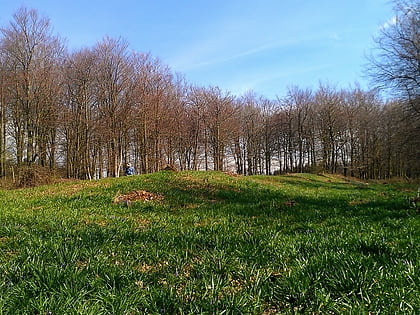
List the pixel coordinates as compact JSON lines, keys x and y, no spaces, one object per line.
{"x":153,"y":95}
{"x":330,"y":125}
{"x":177,"y":141}
{"x":249,"y":145}
{"x":31,"y":54}
{"x":399,"y":149}
{"x":395,"y":63}
{"x":3,"y":118}
{"x":78,"y":113}
{"x":112,"y":82}
{"x":299,"y":102}
{"x":220,"y":121}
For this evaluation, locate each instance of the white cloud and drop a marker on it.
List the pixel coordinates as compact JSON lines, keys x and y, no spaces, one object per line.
{"x":392,"y":21}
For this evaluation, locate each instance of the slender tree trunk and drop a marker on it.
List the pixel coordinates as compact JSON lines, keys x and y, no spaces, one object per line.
{"x":2,"y":130}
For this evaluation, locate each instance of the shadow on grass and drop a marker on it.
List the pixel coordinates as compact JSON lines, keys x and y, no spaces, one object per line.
{"x":304,"y":199}
{"x":295,"y":256}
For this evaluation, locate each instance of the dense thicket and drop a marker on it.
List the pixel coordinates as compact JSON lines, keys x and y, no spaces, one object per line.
{"x":91,"y":111}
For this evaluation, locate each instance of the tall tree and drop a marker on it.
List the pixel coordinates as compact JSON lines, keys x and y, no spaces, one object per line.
{"x":299,"y":102}
{"x":78,"y":113}
{"x":395,"y":64}
{"x":220,"y":121}
{"x":248,"y":147}
{"x":268,"y":136}
{"x":31,"y":53}
{"x":112,"y":85}
{"x":153,"y":93}
{"x":3,"y":118}
{"x":176,"y":136}
{"x":330,"y":125}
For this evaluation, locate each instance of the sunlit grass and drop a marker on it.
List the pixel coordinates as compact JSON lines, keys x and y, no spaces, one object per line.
{"x":214,"y":243}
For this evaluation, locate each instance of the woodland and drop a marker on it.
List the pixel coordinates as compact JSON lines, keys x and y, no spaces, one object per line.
{"x":88,"y":112}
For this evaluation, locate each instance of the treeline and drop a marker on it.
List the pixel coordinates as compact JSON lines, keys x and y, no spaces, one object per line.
{"x":91,"y":111}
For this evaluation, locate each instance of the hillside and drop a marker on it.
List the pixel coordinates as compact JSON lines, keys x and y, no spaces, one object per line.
{"x":209,"y":242}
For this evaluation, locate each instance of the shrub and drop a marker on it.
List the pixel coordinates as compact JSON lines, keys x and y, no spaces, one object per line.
{"x":34,"y":175}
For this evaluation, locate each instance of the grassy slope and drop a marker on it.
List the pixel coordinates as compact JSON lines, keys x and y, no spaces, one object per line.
{"x":214,"y":243}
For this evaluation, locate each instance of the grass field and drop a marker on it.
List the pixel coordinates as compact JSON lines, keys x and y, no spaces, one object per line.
{"x":210,"y":243}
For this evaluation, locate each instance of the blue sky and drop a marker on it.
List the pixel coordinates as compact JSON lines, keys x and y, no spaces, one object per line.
{"x":239,"y":45}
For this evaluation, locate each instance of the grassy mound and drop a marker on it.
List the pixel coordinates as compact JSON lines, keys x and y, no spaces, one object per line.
{"x":211,"y":243}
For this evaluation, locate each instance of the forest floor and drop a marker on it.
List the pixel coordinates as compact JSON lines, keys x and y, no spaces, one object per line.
{"x":210,"y":242}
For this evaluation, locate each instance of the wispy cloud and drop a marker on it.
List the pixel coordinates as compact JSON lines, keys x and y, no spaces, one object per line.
{"x":274,"y":47}
{"x":392,"y":21}
{"x":260,"y":79}
{"x":233,"y":38}
{"x":210,"y":52}
{"x":216,"y":51}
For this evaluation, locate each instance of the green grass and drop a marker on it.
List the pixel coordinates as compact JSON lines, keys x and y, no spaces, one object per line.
{"x":215,"y":244}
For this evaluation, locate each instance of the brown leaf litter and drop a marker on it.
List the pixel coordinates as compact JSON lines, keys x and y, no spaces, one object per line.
{"x":137,"y":195}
